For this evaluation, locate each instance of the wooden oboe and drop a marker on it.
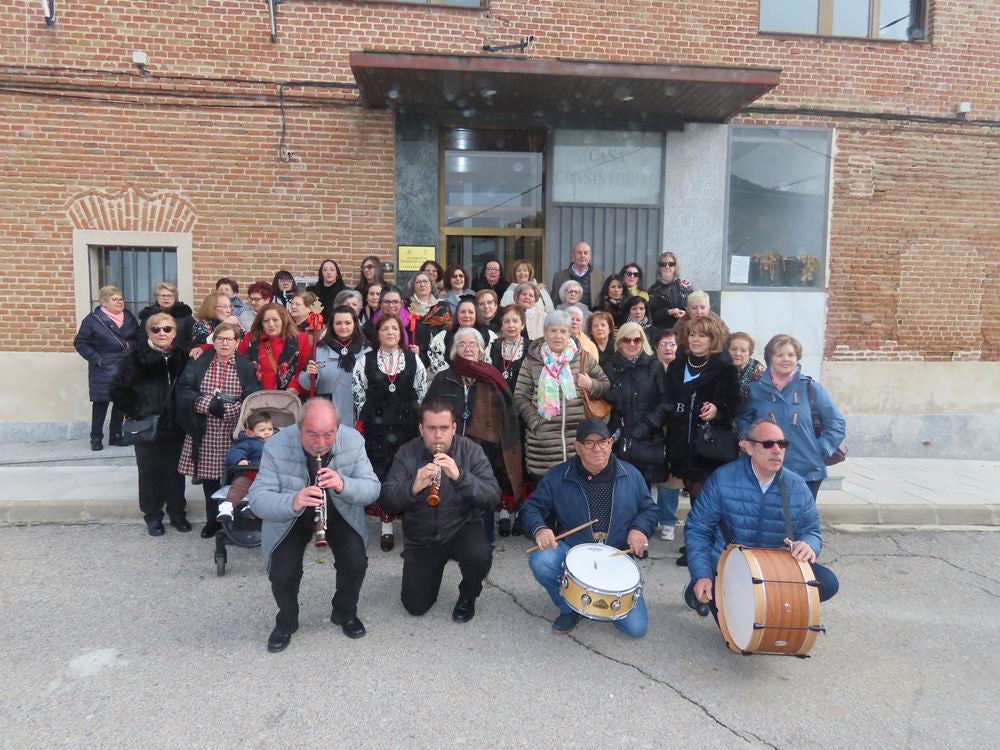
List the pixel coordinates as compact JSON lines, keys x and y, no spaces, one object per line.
{"x":434,"y":496}
{"x":320,"y":540}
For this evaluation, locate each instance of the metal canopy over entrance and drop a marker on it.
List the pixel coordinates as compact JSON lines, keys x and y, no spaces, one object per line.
{"x":558,"y":92}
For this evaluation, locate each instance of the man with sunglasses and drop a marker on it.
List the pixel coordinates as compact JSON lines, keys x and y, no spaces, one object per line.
{"x":742,"y":503}
{"x":592,"y":485}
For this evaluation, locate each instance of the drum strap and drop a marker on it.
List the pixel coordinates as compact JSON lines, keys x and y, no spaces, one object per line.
{"x":784,"y":508}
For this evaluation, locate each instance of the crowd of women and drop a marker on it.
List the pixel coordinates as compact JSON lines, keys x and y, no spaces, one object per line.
{"x":521,"y":363}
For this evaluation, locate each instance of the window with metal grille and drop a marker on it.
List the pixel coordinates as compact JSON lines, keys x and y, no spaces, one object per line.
{"x":134,"y":270}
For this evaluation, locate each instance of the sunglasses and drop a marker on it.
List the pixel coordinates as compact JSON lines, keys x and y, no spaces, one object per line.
{"x":668,"y":264}
{"x":161,"y":329}
{"x":368,"y":268}
{"x":631,"y":340}
{"x":631,"y":273}
{"x":768,"y":444}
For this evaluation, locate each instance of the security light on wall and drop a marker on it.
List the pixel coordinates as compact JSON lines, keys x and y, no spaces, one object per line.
{"x":49,"y":10}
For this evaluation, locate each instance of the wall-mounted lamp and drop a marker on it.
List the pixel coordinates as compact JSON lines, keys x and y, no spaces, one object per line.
{"x":49,"y":10}
{"x":140,"y":59}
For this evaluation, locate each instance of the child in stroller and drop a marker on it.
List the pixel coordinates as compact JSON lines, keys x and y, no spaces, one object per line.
{"x":262,"y":414}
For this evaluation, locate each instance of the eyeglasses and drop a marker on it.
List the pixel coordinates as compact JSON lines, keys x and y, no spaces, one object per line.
{"x":421,"y":281}
{"x":631,"y":273}
{"x":591,"y":444}
{"x":668,"y":264}
{"x":392,"y":302}
{"x":667,"y":345}
{"x":369,"y":267}
{"x":161,"y":329}
{"x":632,"y":340}
{"x":224,"y":340}
{"x":458,"y":276}
{"x":768,"y":444}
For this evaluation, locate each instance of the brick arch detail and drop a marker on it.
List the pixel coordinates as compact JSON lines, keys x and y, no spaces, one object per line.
{"x":130,"y":210}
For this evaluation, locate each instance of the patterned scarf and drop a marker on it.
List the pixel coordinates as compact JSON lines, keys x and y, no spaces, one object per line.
{"x":556,"y":375}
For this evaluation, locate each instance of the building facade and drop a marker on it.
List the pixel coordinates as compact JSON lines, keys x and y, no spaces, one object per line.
{"x":825,"y":169}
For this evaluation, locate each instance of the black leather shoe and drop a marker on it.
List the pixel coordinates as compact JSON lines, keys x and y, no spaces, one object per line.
{"x":180,"y":523}
{"x":387,"y":542}
{"x":515,"y":527}
{"x":96,"y":444}
{"x":115,"y":439}
{"x":465,"y":610}
{"x":682,"y":560}
{"x":701,"y":608}
{"x":278,"y":641}
{"x":210,"y":529}
{"x":155,"y":527}
{"x":503,"y":527}
{"x":352,"y":628}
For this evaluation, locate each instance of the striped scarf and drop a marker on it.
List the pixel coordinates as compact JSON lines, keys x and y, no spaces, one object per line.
{"x":556,"y":375}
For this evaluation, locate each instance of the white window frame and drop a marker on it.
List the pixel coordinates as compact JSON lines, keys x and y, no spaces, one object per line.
{"x":85,"y":276}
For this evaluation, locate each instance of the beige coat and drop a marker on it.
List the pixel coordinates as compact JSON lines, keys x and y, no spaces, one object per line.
{"x":551,"y":441}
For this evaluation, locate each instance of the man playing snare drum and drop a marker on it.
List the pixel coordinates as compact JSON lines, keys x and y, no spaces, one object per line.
{"x":741,"y":503}
{"x":594,"y":485}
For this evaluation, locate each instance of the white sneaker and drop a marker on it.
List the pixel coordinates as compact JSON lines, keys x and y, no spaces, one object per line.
{"x":225,"y":511}
{"x":667,"y":533}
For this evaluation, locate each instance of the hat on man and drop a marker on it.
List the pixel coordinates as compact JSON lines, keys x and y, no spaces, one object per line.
{"x":592,"y":426}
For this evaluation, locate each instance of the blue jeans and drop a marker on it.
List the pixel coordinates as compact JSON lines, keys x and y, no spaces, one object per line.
{"x":547,"y":566}
{"x":667,"y":500}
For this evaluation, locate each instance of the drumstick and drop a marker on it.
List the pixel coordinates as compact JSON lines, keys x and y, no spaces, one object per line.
{"x":564,"y":534}
{"x":626,"y":551}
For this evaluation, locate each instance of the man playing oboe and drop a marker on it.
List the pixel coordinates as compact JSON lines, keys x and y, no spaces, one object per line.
{"x":285,"y":495}
{"x":442,"y":483}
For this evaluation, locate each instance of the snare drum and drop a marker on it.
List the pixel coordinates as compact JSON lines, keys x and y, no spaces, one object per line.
{"x":600,"y":586}
{"x":768,"y":601}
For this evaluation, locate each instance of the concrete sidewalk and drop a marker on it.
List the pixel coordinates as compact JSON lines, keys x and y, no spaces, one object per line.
{"x":65,"y":482}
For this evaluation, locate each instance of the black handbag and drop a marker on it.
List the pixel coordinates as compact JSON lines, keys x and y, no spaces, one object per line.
{"x":136,"y":431}
{"x":817,"y":424}
{"x":714,"y":443}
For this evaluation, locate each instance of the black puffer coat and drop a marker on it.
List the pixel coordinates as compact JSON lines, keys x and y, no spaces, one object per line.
{"x":144,"y":381}
{"x":641,"y":406}
{"x":717,"y":383}
{"x":666,"y":296}
{"x":104,"y":345}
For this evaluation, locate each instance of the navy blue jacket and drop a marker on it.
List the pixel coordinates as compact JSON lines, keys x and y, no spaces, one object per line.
{"x":754,"y":519}
{"x":561,"y":492}
{"x":104,"y":345}
{"x":248,"y":447}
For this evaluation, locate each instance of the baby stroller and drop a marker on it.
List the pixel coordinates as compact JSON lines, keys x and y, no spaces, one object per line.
{"x":244,"y":529}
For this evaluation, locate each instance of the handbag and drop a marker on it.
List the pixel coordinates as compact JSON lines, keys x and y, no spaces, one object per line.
{"x":841,"y":453}
{"x":136,"y":431}
{"x":713,"y":443}
{"x":592,"y":407}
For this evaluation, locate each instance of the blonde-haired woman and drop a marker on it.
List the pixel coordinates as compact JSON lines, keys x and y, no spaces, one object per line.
{"x":105,"y":337}
{"x":668,"y":295}
{"x":638,"y":396}
{"x":522,"y":272}
{"x":166,"y":299}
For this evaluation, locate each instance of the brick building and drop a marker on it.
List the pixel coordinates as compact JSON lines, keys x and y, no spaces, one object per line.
{"x":812,"y":163}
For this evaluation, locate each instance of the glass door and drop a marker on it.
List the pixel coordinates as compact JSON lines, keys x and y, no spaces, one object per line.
{"x":493,"y":197}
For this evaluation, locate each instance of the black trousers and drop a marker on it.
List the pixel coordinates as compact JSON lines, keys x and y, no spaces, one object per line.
{"x":98,"y":411}
{"x":349,"y":558}
{"x":424,"y":566}
{"x":159,"y":481}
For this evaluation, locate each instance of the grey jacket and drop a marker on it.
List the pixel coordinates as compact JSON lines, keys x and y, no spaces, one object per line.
{"x":283,"y":473}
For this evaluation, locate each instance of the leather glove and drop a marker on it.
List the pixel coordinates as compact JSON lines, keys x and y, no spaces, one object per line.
{"x":217,"y":408}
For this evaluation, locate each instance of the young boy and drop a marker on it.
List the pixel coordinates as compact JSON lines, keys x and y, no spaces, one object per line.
{"x":246,"y":451}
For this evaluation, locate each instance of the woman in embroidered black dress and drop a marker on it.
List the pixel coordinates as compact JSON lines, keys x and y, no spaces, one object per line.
{"x":389,"y":385}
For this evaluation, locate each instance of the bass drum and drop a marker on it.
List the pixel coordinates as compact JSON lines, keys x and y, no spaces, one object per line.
{"x":768,"y":602}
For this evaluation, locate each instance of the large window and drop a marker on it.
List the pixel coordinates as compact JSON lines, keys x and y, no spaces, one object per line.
{"x":778,"y":204}
{"x":901,"y":20}
{"x":134,"y":270}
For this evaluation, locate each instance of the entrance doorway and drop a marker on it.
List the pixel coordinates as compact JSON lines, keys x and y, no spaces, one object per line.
{"x":493,"y":197}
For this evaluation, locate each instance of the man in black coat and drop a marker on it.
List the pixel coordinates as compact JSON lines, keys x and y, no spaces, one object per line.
{"x":442,"y":483}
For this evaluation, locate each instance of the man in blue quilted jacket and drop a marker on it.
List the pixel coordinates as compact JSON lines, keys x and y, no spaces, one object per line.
{"x":741,"y":503}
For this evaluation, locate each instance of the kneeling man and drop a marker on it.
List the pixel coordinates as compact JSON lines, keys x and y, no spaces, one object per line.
{"x":741,"y":503}
{"x":441,"y":483}
{"x":593,"y":485}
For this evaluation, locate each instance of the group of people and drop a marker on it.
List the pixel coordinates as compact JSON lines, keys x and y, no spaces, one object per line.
{"x":600,"y":395}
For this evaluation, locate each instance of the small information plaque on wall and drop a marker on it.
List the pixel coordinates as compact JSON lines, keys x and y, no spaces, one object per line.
{"x":411,"y":257}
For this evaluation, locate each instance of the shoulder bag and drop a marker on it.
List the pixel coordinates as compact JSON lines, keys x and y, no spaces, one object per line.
{"x":592,"y":407}
{"x":841,"y":453}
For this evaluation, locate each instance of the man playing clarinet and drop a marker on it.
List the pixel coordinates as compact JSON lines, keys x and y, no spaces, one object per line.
{"x":442,"y":483}
{"x":317,"y":463}
{"x":592,"y":486}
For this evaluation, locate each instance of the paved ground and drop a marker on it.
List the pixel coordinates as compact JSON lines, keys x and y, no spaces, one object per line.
{"x":65,"y":482}
{"x":115,"y":639}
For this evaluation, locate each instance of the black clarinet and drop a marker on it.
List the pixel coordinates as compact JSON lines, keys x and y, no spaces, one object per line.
{"x":320,"y":518}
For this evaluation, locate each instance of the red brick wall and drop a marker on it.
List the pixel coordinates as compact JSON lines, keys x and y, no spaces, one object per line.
{"x":901,"y":190}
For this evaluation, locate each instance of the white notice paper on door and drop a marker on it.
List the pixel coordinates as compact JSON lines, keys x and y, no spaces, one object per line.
{"x":739,"y":269}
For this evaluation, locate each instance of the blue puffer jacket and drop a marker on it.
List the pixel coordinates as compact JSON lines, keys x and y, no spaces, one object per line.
{"x":104,"y":345}
{"x":790,"y":410}
{"x":732,"y":494}
{"x":561,"y":492}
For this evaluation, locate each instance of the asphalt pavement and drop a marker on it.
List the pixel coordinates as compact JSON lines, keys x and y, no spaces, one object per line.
{"x":116,"y":639}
